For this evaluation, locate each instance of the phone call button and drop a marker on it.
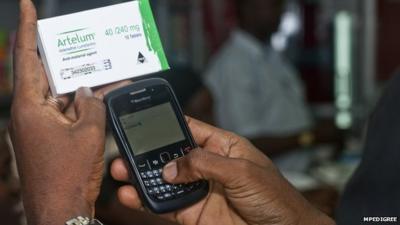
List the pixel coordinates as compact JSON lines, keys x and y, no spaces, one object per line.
{"x":165,"y":157}
{"x":186,"y":150}
{"x":143,"y":166}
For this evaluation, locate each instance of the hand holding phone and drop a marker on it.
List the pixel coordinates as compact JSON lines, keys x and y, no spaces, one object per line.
{"x":150,"y":131}
{"x":245,"y":187}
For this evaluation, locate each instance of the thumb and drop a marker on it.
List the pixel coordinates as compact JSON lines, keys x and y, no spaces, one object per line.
{"x":204,"y":165}
{"x":89,"y":110}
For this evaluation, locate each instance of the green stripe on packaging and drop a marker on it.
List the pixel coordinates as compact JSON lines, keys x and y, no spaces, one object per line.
{"x":151,"y":33}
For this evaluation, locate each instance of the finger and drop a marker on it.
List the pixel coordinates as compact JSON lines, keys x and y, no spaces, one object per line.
{"x":129,"y":197}
{"x":90,"y":111}
{"x":70,"y":112}
{"x":65,"y":101}
{"x":30,"y":79}
{"x":41,"y":85}
{"x":58,"y":103}
{"x":226,"y":143}
{"x":203,"y":165}
{"x":216,"y":140}
{"x":119,"y":171}
{"x":101,"y":92}
{"x":26,"y":36}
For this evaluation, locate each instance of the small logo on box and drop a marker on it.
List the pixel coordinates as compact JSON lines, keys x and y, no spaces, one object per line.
{"x":141,"y":58}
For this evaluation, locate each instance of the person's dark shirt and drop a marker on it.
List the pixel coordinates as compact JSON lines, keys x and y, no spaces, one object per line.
{"x":374,"y":190}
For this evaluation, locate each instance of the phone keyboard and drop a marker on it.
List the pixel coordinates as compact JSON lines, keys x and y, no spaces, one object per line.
{"x":159,"y":190}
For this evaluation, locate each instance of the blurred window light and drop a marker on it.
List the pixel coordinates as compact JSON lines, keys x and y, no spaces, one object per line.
{"x":343,"y":44}
{"x":279,"y":42}
{"x":343,"y":69}
{"x":344,"y":120}
{"x":290,"y":25}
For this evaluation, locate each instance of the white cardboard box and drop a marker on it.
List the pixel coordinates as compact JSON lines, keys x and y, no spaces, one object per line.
{"x":100,"y":46}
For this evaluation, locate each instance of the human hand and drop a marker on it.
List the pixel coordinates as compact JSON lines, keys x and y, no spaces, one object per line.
{"x":59,"y":150}
{"x":245,"y":187}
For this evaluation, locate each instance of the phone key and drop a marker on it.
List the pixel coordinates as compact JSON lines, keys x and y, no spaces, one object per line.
{"x":187,"y":150}
{"x":167,"y":195}
{"x":156,"y":163}
{"x":189,"y":187}
{"x":160,"y":171}
{"x":160,"y":197}
{"x":142,"y":166}
{"x":165,"y":157}
{"x":156,"y":173}
{"x":146,"y":183}
{"x":168,"y":187}
{"x":180,"y":192}
{"x":149,"y":174}
{"x":151,"y":191}
{"x":163,"y":189}
{"x":153,"y":182}
{"x":175,"y":155}
{"x":143,"y":175}
{"x":159,"y":181}
{"x":156,"y":190}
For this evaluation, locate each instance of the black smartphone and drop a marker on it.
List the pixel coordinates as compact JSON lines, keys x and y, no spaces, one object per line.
{"x":150,"y":130}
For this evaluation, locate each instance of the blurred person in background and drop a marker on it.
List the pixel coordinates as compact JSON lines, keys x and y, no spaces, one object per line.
{"x":253,"y":91}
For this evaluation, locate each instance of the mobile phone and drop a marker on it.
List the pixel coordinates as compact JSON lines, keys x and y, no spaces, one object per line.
{"x":150,"y":130}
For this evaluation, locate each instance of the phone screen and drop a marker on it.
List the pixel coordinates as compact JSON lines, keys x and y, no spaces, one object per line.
{"x":152,"y":128}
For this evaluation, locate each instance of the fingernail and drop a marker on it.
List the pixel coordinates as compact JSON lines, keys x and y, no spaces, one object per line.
{"x":170,"y":171}
{"x":85,"y":91}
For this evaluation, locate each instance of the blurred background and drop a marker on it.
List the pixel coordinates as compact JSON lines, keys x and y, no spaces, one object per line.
{"x":331,"y":58}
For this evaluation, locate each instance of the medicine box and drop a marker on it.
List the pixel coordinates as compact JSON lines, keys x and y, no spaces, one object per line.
{"x":100,"y":46}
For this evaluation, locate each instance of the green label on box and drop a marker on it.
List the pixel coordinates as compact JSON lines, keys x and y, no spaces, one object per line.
{"x":151,"y":32}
